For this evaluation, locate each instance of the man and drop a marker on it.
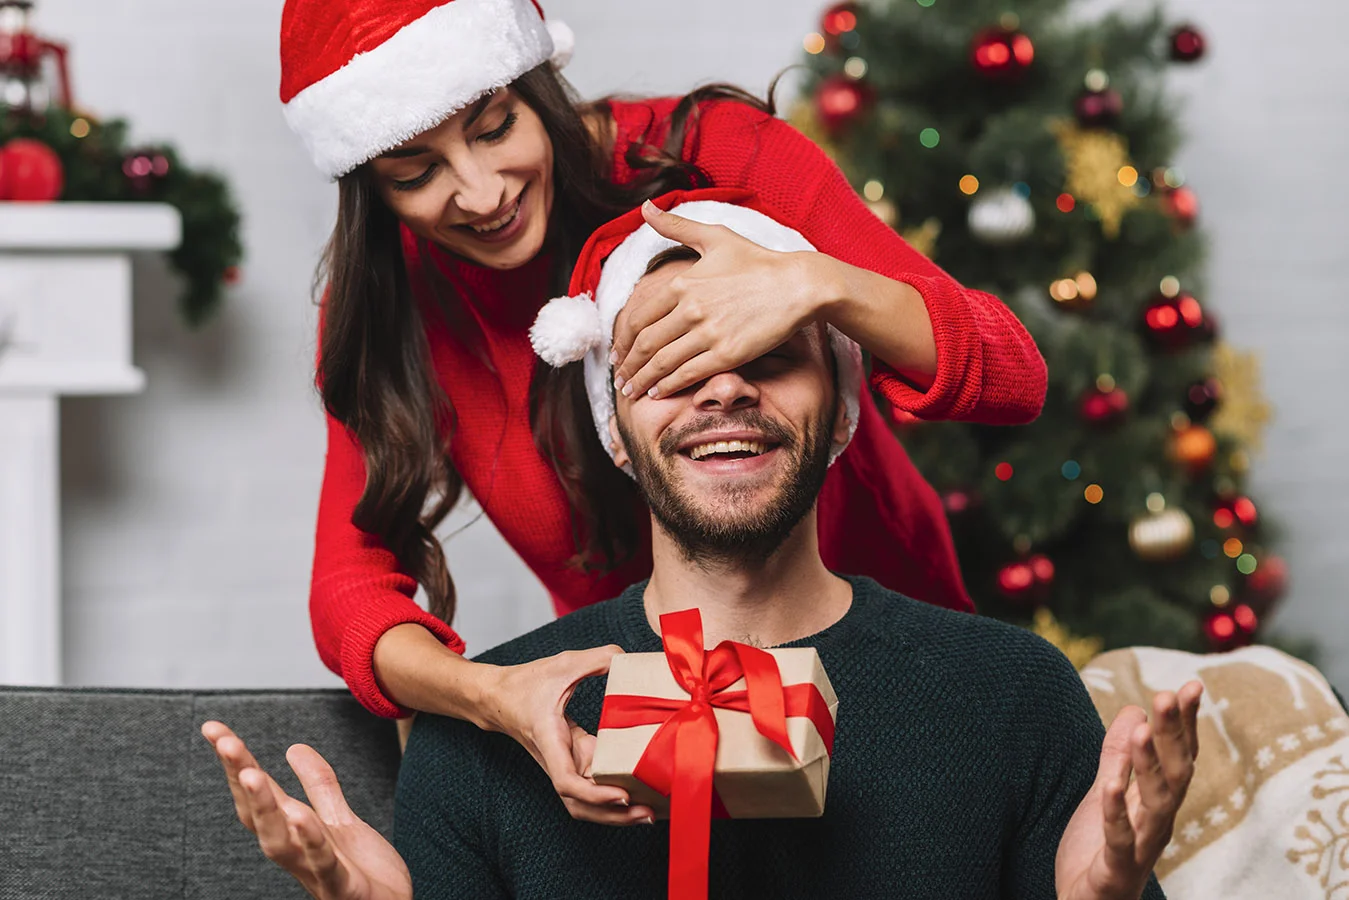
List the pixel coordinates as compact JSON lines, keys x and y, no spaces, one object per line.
{"x":965,"y":756}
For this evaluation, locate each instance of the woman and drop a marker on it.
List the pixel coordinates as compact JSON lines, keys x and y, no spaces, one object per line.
{"x":468,"y":181}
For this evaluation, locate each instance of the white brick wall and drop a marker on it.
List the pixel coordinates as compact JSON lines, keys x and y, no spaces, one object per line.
{"x":188,"y":511}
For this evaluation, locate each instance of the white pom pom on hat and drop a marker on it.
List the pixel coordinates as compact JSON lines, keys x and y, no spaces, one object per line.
{"x":614,"y":259}
{"x":359,"y":78}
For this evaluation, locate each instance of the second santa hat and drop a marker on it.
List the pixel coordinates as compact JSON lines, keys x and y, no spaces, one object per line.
{"x":581,"y":326}
{"x":359,"y":77}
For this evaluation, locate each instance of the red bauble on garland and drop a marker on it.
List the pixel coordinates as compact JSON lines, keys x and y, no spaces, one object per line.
{"x":838,"y":20}
{"x":1098,"y":109}
{"x":1173,"y":323}
{"x":1100,"y":407}
{"x":1028,"y":580}
{"x":840,"y":101}
{"x":1187,"y":44}
{"x":1182,"y":205}
{"x":1000,"y":53}
{"x":30,"y":171}
{"x":145,"y":168}
{"x":1229,"y":629}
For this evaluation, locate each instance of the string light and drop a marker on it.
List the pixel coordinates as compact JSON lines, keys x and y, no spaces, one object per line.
{"x":1246,"y":564}
{"x":814,"y":43}
{"x":1093,"y":494}
{"x":1156,"y":502}
{"x":79,"y":128}
{"x":1086,"y":285}
{"x":1071,"y":470}
{"x":968,"y":184}
{"x":929,"y":138}
{"x":873,"y":190}
{"x":855,"y":68}
{"x":1096,"y":80}
{"x":1209,"y":549}
{"x":1232,"y":548}
{"x":1173,"y":177}
{"x":1064,"y":290}
{"x":1065,"y":203}
{"x":1004,"y":471}
{"x":1128,"y":176}
{"x":1220,"y":595}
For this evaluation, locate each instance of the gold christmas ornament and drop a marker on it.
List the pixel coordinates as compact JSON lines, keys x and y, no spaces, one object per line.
{"x":1159,"y":536}
{"x":1079,"y":650}
{"x":1092,"y":161}
{"x":1243,"y":412}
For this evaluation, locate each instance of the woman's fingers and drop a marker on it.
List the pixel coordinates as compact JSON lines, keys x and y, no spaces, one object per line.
{"x":1190,"y":696}
{"x":234,"y":757}
{"x":320,"y":854}
{"x":698,"y":235}
{"x":1120,"y":843}
{"x":660,"y":376}
{"x":560,"y":765}
{"x":269,"y":821}
{"x":1172,"y":743}
{"x":640,"y":314}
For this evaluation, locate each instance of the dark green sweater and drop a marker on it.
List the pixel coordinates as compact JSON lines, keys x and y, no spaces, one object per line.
{"x":963,"y":746}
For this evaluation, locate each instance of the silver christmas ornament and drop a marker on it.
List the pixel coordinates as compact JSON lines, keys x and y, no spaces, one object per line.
{"x":1001,"y":216}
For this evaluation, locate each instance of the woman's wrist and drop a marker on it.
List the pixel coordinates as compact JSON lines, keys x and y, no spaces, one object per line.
{"x":416,"y":671}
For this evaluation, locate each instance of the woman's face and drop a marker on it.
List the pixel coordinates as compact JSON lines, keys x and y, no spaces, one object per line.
{"x":480,"y":184}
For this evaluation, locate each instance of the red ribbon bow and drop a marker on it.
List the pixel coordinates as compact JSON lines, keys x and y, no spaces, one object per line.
{"x":679,"y":760}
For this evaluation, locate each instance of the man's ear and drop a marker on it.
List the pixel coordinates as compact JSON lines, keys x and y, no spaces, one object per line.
{"x":616,"y":443}
{"x":842,"y":424}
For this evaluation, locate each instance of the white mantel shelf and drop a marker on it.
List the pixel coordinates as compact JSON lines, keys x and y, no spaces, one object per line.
{"x":65,"y":329}
{"x":63,"y":227}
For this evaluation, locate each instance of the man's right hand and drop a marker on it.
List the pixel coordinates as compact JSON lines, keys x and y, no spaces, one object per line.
{"x":529,"y":703}
{"x":327,"y":848}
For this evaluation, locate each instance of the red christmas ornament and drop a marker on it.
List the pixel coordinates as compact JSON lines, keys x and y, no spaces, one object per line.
{"x":1182,"y":205}
{"x":840,"y":100}
{"x":1263,"y":587}
{"x":959,"y":501}
{"x":232,"y":275}
{"x":1001,"y":53}
{"x":1187,"y":44}
{"x":1175,"y":322}
{"x":838,"y":20}
{"x":1203,"y":397}
{"x":1234,"y":512}
{"x":30,"y":171}
{"x":1027,"y":580}
{"x":1224,"y":632}
{"x":1100,"y":407}
{"x":1098,"y":109}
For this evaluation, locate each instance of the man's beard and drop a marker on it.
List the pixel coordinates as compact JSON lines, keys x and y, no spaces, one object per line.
{"x":724,"y":533}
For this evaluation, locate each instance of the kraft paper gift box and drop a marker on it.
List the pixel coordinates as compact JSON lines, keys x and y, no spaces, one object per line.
{"x":753,"y":777}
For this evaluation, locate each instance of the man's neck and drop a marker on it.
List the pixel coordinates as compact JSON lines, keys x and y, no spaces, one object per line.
{"x":788,"y":596}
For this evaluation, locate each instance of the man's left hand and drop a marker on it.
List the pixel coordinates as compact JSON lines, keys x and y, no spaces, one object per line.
{"x":1120,"y":829}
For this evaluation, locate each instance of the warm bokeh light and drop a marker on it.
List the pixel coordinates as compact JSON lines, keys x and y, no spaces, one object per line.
{"x":968,"y":184}
{"x":1003,"y":471}
{"x":1093,"y":494}
{"x":1065,"y":203}
{"x":814,"y":43}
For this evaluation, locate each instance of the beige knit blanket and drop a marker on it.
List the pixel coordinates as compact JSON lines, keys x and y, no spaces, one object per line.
{"x":1267,"y":815}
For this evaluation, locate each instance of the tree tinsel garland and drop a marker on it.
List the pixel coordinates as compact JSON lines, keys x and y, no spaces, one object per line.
{"x":94,"y":152}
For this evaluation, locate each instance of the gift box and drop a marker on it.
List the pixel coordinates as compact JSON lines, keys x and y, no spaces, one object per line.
{"x":737,"y":731}
{"x":753,"y":777}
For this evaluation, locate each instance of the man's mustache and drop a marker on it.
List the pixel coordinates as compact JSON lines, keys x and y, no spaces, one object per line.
{"x":747,"y":419}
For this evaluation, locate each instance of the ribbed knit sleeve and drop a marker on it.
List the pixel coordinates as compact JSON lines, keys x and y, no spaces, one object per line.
{"x":358,"y":591}
{"x":988,"y":367}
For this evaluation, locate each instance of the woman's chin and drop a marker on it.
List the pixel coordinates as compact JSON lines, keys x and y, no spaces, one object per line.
{"x":508,"y":255}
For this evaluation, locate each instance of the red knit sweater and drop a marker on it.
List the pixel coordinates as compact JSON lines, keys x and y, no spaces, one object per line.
{"x":877,"y":516}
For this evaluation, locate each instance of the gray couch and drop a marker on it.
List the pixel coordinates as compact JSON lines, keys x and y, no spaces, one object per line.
{"x":114,"y":793}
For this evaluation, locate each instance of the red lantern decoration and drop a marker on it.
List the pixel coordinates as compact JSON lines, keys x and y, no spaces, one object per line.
{"x":33,"y":71}
{"x":1175,"y":322}
{"x":1234,"y":513}
{"x":1001,"y":53}
{"x":840,"y":101}
{"x":1027,"y":580}
{"x":1187,"y":44}
{"x":1182,"y":205}
{"x":1098,"y":109}
{"x":1100,"y":407}
{"x":30,"y":171}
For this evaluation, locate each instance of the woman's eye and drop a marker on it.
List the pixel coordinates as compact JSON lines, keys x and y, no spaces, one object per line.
{"x":496,"y":134}
{"x":414,"y":183}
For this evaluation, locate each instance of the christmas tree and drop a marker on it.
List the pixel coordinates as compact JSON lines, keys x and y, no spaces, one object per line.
{"x":1030,"y":154}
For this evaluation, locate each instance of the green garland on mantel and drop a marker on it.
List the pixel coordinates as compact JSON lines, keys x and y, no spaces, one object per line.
{"x":94,"y":154}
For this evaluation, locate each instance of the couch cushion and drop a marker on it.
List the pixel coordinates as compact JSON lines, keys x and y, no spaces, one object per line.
{"x":114,"y":793}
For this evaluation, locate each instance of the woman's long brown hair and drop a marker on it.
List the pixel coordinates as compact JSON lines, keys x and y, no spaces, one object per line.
{"x":374,"y":369}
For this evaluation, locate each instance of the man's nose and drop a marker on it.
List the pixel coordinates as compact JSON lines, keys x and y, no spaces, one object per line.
{"x":726,"y":392}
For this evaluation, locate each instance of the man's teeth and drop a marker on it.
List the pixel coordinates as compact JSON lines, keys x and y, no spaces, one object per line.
{"x":754,"y":447}
{"x":498,"y":224}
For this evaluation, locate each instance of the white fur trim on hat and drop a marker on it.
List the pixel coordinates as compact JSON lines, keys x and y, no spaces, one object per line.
{"x":625,"y":267}
{"x":417,"y":79}
{"x":564,"y":42}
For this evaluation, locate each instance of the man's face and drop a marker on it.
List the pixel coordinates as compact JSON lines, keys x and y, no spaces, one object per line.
{"x":731,"y":465}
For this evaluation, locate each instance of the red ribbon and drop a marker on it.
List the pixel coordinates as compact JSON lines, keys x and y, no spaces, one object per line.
{"x":679,"y":760}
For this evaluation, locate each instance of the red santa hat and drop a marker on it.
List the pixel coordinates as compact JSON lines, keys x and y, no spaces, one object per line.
{"x":581,"y":326}
{"x":359,"y":77}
